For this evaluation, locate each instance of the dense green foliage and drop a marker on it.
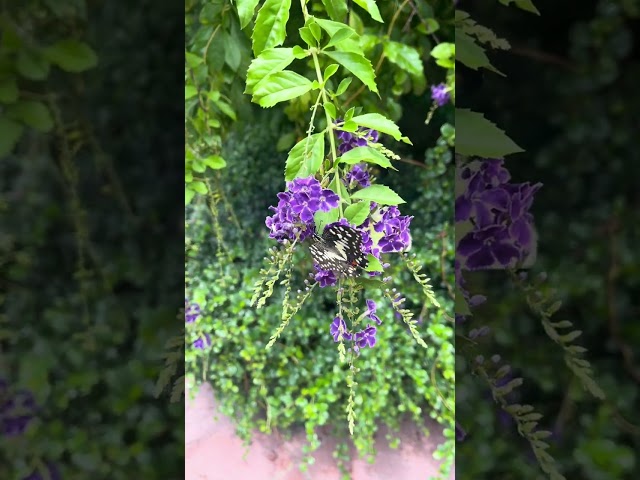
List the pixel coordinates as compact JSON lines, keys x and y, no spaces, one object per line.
{"x":309,"y":71}
{"x":91,"y":281}
{"x":300,"y":381}
{"x":569,"y":100}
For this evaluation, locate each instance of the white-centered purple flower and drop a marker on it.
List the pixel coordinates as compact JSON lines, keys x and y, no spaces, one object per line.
{"x":365,"y":338}
{"x":339,"y":328}
{"x":325,"y":278}
{"x":371,"y":311}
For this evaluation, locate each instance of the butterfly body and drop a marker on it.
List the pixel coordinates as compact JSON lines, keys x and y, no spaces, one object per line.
{"x":339,"y":250}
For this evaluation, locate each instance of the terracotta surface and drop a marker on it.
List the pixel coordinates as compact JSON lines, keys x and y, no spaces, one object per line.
{"x":214,"y":452}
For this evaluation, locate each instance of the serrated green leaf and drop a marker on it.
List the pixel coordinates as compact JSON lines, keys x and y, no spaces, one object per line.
{"x":357,"y":64}
{"x":8,"y":90}
{"x":469,"y":53}
{"x":71,"y":55}
{"x":365,"y":154}
{"x":32,"y":113}
{"x":404,"y":56}
{"x":31,"y":65}
{"x":246,"y":9}
{"x":11,"y":133}
{"x":280,"y":87}
{"x":357,"y":213}
{"x":305,"y":158}
{"x":381,"y":124}
{"x":371,"y":8}
{"x":477,"y":136}
{"x":337,"y":9}
{"x":270,"y":61}
{"x":271,"y":23}
{"x":381,"y":194}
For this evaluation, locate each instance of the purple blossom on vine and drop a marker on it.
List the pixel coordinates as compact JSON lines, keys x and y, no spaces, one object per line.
{"x":440,"y":94}
{"x":338,"y":327}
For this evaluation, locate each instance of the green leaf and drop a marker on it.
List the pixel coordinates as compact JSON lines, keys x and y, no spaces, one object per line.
{"x":199,"y":187}
{"x":381,"y":194}
{"x":190,"y":91}
{"x":404,"y":56}
{"x":11,"y":132}
{"x":469,"y":53}
{"x":526,"y":5}
{"x":321,"y":219}
{"x":329,"y":71}
{"x":271,"y":23}
{"x":232,"y":52}
{"x":444,"y":50}
{"x":246,"y":9}
{"x":461,"y":307}
{"x":71,"y":55}
{"x":188,"y":195}
{"x":351,"y":44}
{"x":305,"y":158}
{"x":330,"y":108}
{"x":373,"y":264}
{"x":337,"y":9}
{"x":215,"y":162}
{"x":316,"y":31}
{"x":344,"y":84}
{"x":357,"y":64}
{"x":285,"y":141}
{"x":371,"y":8}
{"x":270,"y":61}
{"x":475,"y":135}
{"x":340,"y":36}
{"x":8,"y":90}
{"x":357,"y":213}
{"x":365,"y":154}
{"x":307,"y":36}
{"x":193,"y":60}
{"x":31,"y":65}
{"x":279,"y":87}
{"x":32,"y":113}
{"x":381,"y":124}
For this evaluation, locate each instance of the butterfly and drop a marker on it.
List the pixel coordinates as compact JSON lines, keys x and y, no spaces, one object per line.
{"x":339,"y":250}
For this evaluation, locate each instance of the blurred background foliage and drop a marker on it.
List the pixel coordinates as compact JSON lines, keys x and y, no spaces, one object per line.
{"x":91,"y":281}
{"x":570,"y":99}
{"x":299,"y":383}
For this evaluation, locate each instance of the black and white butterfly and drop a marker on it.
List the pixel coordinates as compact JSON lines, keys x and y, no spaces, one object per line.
{"x":339,"y":250}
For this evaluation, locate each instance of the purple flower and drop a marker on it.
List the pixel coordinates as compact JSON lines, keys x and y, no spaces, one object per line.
{"x":296,"y":208}
{"x":202,"y":342}
{"x":191,"y":312}
{"x":325,"y":278}
{"x":440,"y":94}
{"x":460,"y":433}
{"x":483,"y":248}
{"x":371,"y":311}
{"x":361,"y":138}
{"x":338,"y":327}
{"x":397,"y":237}
{"x":365,"y":338}
{"x":358,"y":176}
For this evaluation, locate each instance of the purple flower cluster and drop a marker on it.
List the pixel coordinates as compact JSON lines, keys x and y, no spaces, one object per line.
{"x":361,"y":138}
{"x":502,"y":233}
{"x":440,"y":94}
{"x":363,"y":338}
{"x":357,"y":176}
{"x":395,"y":228}
{"x":202,"y":342}
{"x":296,"y":207}
{"x":17,"y":409}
